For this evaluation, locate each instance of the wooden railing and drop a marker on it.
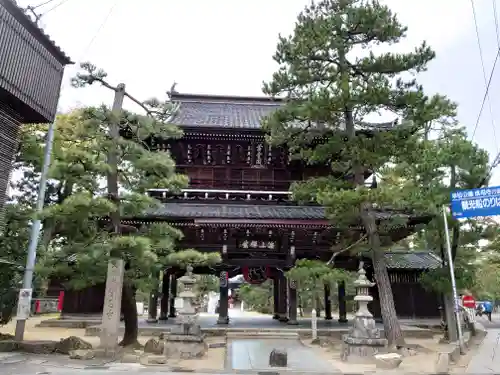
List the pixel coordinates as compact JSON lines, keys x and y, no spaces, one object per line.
{"x":241,"y":184}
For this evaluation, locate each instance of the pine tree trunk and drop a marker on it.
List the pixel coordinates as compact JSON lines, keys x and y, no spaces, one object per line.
{"x":392,"y":329}
{"x":129,"y":310}
{"x":391,"y":324}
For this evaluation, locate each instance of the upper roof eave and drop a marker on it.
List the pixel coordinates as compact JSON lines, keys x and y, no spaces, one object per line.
{"x":177,"y":96}
{"x":37,"y":32}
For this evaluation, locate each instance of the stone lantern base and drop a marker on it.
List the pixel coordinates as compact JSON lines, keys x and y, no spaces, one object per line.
{"x":185,"y":340}
{"x":360,"y":349}
{"x":184,"y":346}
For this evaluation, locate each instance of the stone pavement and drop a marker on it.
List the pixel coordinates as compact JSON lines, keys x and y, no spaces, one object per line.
{"x":253,"y":354}
{"x":487,"y":358}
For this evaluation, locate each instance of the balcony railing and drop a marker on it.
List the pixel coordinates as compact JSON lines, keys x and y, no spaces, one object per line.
{"x":261,"y":185}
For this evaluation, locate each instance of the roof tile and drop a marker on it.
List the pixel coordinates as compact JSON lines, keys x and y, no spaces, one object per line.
{"x":412,"y":260}
{"x":236,"y":211}
{"x":232,"y":112}
{"x":248,"y":211}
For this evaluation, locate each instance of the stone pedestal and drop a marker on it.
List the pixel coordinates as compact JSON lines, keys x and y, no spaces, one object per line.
{"x":364,"y":340}
{"x":185,"y":346}
{"x":185,"y":340}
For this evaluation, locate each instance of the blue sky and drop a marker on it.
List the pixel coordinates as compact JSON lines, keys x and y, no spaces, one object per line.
{"x":225,"y":47}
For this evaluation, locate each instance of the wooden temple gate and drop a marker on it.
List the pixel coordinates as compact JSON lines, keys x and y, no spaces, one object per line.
{"x":238,"y":203}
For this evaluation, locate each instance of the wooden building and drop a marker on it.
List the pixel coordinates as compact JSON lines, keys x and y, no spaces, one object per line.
{"x":238,"y":203}
{"x":31,"y":72}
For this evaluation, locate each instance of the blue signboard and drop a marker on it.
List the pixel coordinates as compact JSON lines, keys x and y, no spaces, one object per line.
{"x":475,"y":202}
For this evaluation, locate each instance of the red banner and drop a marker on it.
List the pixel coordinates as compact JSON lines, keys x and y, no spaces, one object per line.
{"x":60,"y":301}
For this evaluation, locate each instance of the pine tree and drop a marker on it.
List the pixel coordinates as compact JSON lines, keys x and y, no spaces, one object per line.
{"x":82,"y":239}
{"x":331,"y":85}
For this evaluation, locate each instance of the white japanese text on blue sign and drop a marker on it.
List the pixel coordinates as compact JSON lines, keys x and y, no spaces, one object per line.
{"x":476,"y":202}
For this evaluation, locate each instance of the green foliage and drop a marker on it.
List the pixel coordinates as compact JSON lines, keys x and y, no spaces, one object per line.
{"x":330,"y":91}
{"x":14,"y":243}
{"x":80,"y":243}
{"x":438,"y":280}
{"x":206,"y":284}
{"x":311,"y":276}
{"x":487,"y":285}
{"x":315,"y":274}
{"x":257,"y":297}
{"x":193,"y":258}
{"x":439,"y":165}
{"x":487,"y":264}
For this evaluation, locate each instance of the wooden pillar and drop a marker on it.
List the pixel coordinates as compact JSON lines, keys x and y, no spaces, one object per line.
{"x":342,"y":303}
{"x":292,"y":302}
{"x":223,"y":298}
{"x":173,"y":295}
{"x":283,"y":297}
{"x":276,"y":296}
{"x":328,"y":303}
{"x":318,"y":308}
{"x":153,"y":301}
{"x":165,"y":296}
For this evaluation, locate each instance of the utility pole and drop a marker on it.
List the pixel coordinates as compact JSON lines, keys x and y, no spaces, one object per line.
{"x":114,"y":280}
{"x":24,"y":301}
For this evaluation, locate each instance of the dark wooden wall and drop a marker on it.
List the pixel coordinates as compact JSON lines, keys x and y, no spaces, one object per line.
{"x":88,"y":301}
{"x":248,"y":164}
{"x":410,"y":298}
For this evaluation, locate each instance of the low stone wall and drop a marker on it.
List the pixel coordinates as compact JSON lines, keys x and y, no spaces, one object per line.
{"x":223,"y":331}
{"x":68,"y":323}
{"x":45,"y":306}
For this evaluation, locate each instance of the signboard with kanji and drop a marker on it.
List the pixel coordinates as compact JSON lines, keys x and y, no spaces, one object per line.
{"x":475,"y":202}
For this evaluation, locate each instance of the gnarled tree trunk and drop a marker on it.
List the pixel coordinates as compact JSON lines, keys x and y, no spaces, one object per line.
{"x":129,"y":310}
{"x":392,"y":329}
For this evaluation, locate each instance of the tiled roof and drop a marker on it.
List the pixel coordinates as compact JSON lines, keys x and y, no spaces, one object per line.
{"x":232,"y":111}
{"x":237,"y":211}
{"x":227,"y":112}
{"x":412,"y":260}
{"x":245,"y":211}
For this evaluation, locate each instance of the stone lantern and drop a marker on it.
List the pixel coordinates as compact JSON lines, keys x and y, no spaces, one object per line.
{"x":363,"y":340}
{"x":185,"y":340}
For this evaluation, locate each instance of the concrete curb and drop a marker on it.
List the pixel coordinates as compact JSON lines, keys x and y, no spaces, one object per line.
{"x":445,"y":358}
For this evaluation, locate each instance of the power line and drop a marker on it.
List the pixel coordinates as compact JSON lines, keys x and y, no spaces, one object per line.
{"x":495,"y":15}
{"x":99,"y":29}
{"x":54,"y":7}
{"x":486,"y":82}
{"x":37,"y":16}
{"x":41,"y":4}
{"x":93,"y":39}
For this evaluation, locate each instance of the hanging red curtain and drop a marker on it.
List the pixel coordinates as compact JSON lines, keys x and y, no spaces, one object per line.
{"x":256,"y":275}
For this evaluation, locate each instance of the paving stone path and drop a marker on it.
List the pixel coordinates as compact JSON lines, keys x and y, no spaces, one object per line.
{"x":487,"y":358}
{"x":253,"y":354}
